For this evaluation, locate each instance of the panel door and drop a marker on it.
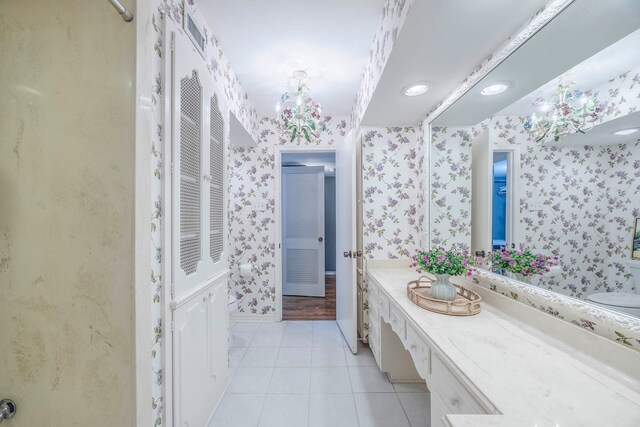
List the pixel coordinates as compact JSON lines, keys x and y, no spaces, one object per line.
{"x":192,"y":385}
{"x":303,"y":231}
{"x":481,"y":200}
{"x":346,"y":314}
{"x":218,"y":345}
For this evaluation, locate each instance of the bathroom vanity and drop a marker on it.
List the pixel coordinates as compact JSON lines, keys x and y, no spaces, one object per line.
{"x":498,"y":368}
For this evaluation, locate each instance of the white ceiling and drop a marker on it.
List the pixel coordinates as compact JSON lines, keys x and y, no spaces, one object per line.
{"x":603,"y":134}
{"x":605,"y":65}
{"x":265,"y":41}
{"x":442,"y":41}
{"x":583,"y":29}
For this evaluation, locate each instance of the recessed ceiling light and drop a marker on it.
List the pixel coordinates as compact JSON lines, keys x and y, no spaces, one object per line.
{"x":626,"y":131}
{"x":494,"y":89}
{"x":415,"y":89}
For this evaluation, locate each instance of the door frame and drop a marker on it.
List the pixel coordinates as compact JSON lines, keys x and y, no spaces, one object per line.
{"x":280,"y":150}
{"x":513,"y":204}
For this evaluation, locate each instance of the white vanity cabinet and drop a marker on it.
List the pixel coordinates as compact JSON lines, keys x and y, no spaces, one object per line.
{"x":491,"y":369}
{"x":403,"y":351}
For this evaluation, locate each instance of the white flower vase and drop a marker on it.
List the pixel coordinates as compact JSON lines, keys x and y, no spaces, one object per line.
{"x":520,"y":277}
{"x":442,"y":289}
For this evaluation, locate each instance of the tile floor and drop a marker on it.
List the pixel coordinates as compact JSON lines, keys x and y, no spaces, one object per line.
{"x":300,"y":374}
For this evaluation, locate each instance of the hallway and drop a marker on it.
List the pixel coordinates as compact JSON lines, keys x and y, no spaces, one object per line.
{"x":312,"y":308}
{"x":297,"y":374}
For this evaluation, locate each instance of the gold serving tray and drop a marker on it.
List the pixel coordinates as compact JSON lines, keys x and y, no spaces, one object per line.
{"x":466,"y":303}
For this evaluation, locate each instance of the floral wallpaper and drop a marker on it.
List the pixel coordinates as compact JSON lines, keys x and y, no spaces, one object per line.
{"x":450,"y":189}
{"x":252,"y":231}
{"x":149,"y":21}
{"x":590,"y":196}
{"x":394,"y":14}
{"x":393,"y":194}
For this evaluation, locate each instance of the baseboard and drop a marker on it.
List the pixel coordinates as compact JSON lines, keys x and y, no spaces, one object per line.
{"x":404,"y":380}
{"x":252,"y":317}
{"x":329,"y":273}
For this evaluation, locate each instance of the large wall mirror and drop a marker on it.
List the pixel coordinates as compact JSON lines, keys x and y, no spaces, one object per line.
{"x":543,"y":156}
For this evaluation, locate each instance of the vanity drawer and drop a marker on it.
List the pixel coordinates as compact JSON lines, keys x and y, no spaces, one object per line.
{"x":374,"y":342}
{"x":373,"y":292}
{"x":374,"y":311}
{"x":420,"y":352}
{"x":438,"y":410}
{"x":457,"y":398}
{"x":384,"y":307}
{"x":397,"y":322}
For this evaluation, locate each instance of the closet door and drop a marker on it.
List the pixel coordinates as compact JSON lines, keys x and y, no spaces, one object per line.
{"x":198,"y":173}
{"x":188,"y":189}
{"x":216,"y":213}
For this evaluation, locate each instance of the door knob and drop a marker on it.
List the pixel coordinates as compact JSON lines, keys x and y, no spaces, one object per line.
{"x":347,"y":254}
{"x":320,"y":239}
{"x":7,"y":409}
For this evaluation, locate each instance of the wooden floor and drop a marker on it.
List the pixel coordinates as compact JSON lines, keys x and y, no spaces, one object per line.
{"x":312,"y":308}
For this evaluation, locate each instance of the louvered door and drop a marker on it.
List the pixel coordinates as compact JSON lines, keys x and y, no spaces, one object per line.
{"x":303,"y":231}
{"x":216,"y":214}
{"x":198,"y":178}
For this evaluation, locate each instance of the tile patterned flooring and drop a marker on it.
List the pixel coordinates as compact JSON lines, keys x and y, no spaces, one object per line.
{"x":300,"y":374}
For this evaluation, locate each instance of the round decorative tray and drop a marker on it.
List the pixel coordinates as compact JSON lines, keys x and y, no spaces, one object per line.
{"x":466,"y":303}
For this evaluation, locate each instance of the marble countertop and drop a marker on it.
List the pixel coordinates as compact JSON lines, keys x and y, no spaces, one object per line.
{"x":529,"y":381}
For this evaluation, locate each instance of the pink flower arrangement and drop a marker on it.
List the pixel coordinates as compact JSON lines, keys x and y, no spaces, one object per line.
{"x":521,"y":262}
{"x":441,"y":261}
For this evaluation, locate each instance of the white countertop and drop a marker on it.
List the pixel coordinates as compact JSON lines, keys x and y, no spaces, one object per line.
{"x":529,"y":381}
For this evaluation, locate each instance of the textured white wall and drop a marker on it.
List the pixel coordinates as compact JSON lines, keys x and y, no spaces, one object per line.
{"x":66,"y":213}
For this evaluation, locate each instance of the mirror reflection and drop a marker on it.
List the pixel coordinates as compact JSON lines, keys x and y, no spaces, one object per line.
{"x":553,"y":186}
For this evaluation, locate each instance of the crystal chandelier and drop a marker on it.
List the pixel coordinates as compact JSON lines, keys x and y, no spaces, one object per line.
{"x":569,"y":111}
{"x":297,"y":114}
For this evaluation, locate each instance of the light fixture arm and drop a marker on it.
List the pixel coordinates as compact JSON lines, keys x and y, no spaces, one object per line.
{"x":569,"y":111}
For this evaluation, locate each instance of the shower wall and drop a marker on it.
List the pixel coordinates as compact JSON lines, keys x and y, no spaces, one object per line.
{"x":66,"y":213}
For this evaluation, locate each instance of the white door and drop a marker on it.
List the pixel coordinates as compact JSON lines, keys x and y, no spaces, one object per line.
{"x":346,"y":314}
{"x":303,"y":231}
{"x":481,"y":192}
{"x":197,"y":167}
